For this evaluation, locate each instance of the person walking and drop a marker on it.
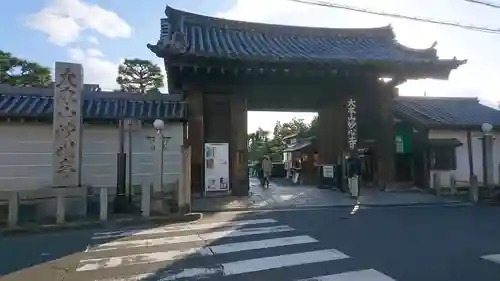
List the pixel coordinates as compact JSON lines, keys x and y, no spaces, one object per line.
{"x":267,"y":167}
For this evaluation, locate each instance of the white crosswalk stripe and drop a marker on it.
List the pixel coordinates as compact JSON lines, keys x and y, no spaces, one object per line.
{"x":133,"y":255}
{"x":358,"y":275}
{"x":180,"y":227}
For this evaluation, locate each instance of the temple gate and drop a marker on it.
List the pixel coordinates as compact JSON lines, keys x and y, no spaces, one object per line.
{"x":224,"y":68}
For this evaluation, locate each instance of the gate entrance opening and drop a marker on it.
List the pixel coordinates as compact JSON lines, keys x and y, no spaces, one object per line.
{"x":224,"y":68}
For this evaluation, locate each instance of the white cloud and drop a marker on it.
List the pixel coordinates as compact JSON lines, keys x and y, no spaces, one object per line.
{"x":96,"y":68}
{"x":64,"y":20}
{"x":94,"y":52}
{"x":93,"y":40}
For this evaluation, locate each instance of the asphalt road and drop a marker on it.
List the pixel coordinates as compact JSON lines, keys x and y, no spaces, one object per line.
{"x":379,"y":244}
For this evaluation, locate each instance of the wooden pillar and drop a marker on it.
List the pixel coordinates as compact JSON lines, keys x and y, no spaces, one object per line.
{"x":332,"y":136}
{"x":195,"y":137}
{"x":385,"y":150}
{"x":238,"y":145}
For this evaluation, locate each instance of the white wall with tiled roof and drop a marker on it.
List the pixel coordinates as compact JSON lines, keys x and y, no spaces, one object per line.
{"x":461,"y":173}
{"x":26,"y":155}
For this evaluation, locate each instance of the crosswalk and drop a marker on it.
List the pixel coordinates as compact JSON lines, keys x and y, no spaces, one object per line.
{"x":221,"y":250}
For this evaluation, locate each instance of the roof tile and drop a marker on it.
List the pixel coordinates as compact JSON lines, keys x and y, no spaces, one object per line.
{"x":221,"y":38}
{"x":447,"y":112}
{"x":41,"y":106}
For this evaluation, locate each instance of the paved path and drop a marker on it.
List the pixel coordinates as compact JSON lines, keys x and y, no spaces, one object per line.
{"x":293,"y":196}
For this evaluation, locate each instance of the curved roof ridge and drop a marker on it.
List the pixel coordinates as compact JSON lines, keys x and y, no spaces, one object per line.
{"x":430,"y":52}
{"x":385,"y":32}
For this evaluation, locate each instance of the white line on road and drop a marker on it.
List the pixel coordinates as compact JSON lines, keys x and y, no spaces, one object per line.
{"x":248,"y":266}
{"x":139,"y":277}
{"x":253,"y":265}
{"x":494,"y":258}
{"x":100,"y":263}
{"x":360,"y":275}
{"x":261,"y":244}
{"x":107,"y":262}
{"x":187,"y":238}
{"x":178,"y":228}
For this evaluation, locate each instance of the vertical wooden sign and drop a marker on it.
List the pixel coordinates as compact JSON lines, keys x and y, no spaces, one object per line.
{"x":352,"y":138}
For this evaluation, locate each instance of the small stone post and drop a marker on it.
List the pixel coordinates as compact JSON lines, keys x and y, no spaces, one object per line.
{"x":453,"y":185}
{"x":474,"y":189}
{"x":146,"y":200}
{"x":61,"y":207}
{"x":13,"y":208}
{"x":498,"y":171}
{"x":103,"y":202}
{"x":436,"y":183}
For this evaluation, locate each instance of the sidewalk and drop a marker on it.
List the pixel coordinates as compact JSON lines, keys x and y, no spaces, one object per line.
{"x":281,"y":196}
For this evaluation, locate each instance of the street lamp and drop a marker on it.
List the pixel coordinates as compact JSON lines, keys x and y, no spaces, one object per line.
{"x":488,"y":164}
{"x":486,"y":128}
{"x":158,"y":144}
{"x":159,"y":125}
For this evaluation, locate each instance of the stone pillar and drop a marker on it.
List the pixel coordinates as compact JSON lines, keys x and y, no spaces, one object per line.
{"x":196,"y":138}
{"x":385,"y":151}
{"x":238,"y":150}
{"x":332,"y":134}
{"x":67,"y":125}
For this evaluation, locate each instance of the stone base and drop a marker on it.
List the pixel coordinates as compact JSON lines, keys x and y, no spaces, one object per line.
{"x":74,"y":207}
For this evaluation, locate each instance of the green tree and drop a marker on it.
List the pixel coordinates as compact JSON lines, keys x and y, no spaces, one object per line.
{"x":258,"y":144}
{"x":313,"y":128}
{"x":295,"y":126}
{"x":140,"y":76}
{"x":22,"y":73}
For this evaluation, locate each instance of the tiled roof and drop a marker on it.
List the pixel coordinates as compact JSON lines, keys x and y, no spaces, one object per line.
{"x":39,"y":103}
{"x":447,"y":112}
{"x":205,"y":36}
{"x":297,"y":146}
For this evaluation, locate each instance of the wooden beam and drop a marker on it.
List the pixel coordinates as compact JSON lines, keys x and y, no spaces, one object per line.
{"x":196,"y":138}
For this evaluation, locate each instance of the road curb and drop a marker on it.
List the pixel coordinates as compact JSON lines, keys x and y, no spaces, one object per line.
{"x":337,"y":206}
{"x":45,"y":228}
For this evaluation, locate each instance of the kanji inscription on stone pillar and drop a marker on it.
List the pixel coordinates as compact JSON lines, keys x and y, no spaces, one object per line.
{"x":66,"y":164}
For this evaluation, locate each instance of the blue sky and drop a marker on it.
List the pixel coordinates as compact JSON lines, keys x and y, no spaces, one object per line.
{"x":99,"y":34}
